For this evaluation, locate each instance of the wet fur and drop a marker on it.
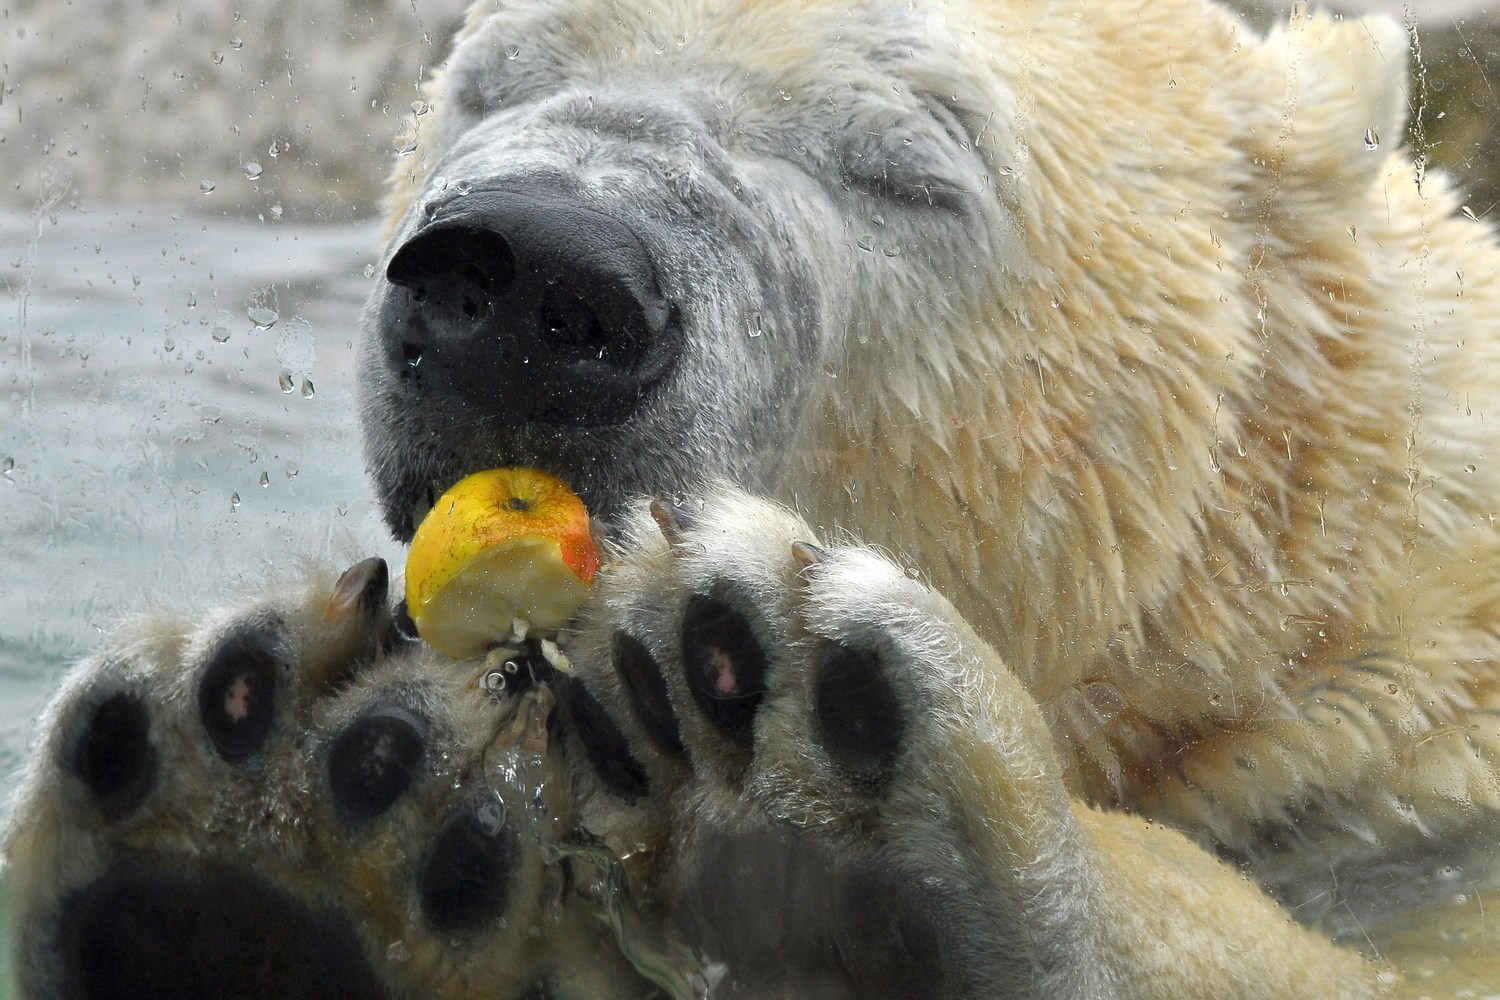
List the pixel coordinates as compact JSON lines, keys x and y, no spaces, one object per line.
{"x":1109,"y":321}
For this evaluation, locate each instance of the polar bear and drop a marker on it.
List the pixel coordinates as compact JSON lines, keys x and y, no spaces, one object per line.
{"x":1130,"y":329}
{"x":1121,"y":325}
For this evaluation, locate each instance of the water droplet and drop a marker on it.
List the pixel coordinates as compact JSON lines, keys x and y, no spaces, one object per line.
{"x":284,"y":380}
{"x":1469,"y":214}
{"x":407,"y":148}
{"x":1471,"y":468}
{"x":397,"y":951}
{"x":784,"y":95}
{"x":681,"y":39}
{"x":236,"y":43}
{"x":891,"y":250}
{"x":440,"y":183}
{"x":1372,"y":138}
{"x":218,"y":57}
{"x":169,"y":345}
{"x":491,"y":816}
{"x":512,"y":51}
{"x":419,"y":108}
{"x":253,"y":170}
{"x":1392,"y":688}
{"x":207,"y":186}
{"x":463,"y":187}
{"x":866,"y":243}
{"x":234,"y":501}
{"x":265,"y":480}
{"x":6,"y":466}
{"x":1353,"y":233}
{"x":262,"y":317}
{"x":291,"y":470}
{"x":369,"y":270}
{"x":756,"y":324}
{"x":276,"y":211}
{"x":192,"y":300}
{"x":307,"y":388}
{"x":273,"y":150}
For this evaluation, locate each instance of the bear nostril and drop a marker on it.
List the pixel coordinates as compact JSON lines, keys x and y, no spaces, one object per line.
{"x":533,"y":308}
{"x":459,"y":266}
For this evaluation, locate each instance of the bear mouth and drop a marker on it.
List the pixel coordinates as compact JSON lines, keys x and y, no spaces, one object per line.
{"x":137,"y":932}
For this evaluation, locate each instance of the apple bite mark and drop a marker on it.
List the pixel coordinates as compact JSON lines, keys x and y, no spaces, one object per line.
{"x":504,"y":554}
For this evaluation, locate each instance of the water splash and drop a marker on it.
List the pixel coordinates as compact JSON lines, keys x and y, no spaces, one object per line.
{"x":519,"y":765}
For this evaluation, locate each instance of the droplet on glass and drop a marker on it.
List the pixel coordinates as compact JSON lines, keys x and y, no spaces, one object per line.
{"x":265,"y":480}
{"x":234,"y":500}
{"x":262,"y":317}
{"x":276,"y":211}
{"x":369,"y":270}
{"x":284,"y":380}
{"x":6,"y":466}
{"x":512,"y":51}
{"x":253,"y":170}
{"x":866,"y":243}
{"x":218,"y":57}
{"x":236,"y":43}
{"x":207,"y":186}
{"x":307,"y":388}
{"x":419,"y":108}
{"x":1372,"y":138}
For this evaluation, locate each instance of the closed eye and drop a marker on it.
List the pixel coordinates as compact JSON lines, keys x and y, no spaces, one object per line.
{"x":922,"y":163}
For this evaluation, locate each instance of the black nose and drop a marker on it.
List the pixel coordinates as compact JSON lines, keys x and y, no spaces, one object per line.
{"x":530,"y":306}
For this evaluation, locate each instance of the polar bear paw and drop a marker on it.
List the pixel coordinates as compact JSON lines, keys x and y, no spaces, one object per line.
{"x":773,"y":769}
{"x":291,"y":800}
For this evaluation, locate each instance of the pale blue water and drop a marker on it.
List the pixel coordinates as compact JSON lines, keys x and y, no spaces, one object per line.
{"x":150,"y":456}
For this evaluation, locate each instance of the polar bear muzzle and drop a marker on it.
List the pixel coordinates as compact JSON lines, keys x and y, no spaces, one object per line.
{"x":530,"y":306}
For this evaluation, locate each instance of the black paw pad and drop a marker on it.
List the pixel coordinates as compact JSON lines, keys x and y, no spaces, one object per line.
{"x":603,"y":743}
{"x":646,"y":690}
{"x":725,"y":664}
{"x":466,"y":875}
{"x":237,"y":695}
{"x":138,"y":934}
{"x":858,"y":716}
{"x":372,"y":763}
{"x":113,"y":755}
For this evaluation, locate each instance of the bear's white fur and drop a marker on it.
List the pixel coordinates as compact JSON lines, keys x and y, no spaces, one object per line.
{"x":1189,"y":414}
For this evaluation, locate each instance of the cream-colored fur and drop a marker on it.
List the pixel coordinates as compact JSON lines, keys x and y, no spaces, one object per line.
{"x":1106,"y":904}
{"x":1193,"y":424}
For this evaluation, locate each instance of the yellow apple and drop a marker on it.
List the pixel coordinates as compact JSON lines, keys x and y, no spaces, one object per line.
{"x":501,"y":545}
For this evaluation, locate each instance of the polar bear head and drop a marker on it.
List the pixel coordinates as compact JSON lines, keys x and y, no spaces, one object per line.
{"x":641,"y":240}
